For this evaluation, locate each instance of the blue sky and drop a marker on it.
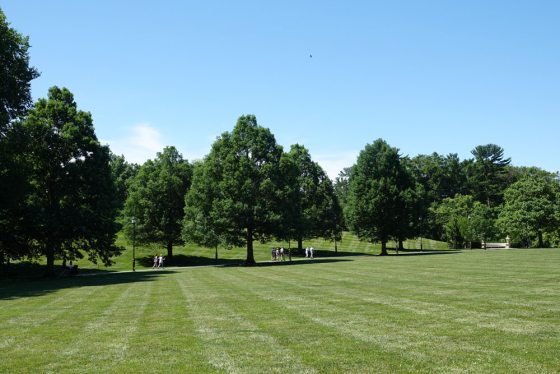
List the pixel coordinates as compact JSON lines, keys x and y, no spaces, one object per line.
{"x":426,"y":76}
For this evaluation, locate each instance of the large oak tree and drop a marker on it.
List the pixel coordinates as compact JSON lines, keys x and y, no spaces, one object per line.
{"x":73,"y":201}
{"x":242,"y":173}
{"x":377,"y":204}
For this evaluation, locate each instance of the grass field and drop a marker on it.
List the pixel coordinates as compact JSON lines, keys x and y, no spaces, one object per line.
{"x":474,"y":311}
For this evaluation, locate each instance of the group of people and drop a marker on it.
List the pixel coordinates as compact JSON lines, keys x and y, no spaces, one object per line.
{"x":158,"y":262}
{"x":278,"y":254}
{"x":309,"y":252}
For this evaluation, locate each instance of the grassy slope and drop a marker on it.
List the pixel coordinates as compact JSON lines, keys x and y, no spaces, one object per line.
{"x":476,"y":311}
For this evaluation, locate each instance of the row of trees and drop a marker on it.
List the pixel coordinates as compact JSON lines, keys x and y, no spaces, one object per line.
{"x":64,"y":195}
{"x":387,"y":196}
{"x":247,"y":188}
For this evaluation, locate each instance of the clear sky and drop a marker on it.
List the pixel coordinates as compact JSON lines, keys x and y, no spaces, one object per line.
{"x":426,"y":76}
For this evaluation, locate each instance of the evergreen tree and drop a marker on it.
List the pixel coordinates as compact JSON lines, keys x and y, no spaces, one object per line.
{"x":488,"y":175}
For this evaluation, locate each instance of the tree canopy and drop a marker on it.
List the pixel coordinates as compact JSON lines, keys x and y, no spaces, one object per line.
{"x":72,"y":203}
{"x":312,"y":208}
{"x":489,"y":176}
{"x":376,"y":204}
{"x":156,"y":200}
{"x":530,"y":209}
{"x":15,"y":74}
{"x":242,"y":173}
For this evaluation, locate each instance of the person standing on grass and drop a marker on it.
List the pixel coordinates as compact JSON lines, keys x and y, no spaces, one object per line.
{"x":156,"y":262}
{"x":306,"y":252}
{"x":311,"y":252}
{"x":160,"y":265}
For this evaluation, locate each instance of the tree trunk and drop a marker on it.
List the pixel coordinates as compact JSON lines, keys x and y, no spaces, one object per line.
{"x":335,"y":247}
{"x":383,"y":248}
{"x":250,"y":257}
{"x":540,"y":239}
{"x":216,"y":255}
{"x":300,"y":246}
{"x":50,"y":261}
{"x":170,"y":249}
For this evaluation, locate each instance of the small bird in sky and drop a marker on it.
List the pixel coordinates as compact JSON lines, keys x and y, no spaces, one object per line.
{"x":310,"y":56}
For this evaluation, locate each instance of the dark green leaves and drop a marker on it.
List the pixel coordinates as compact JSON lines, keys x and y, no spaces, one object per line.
{"x":156,"y":198}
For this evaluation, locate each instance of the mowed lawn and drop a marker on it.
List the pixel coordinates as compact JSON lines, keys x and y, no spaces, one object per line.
{"x":475,"y":311}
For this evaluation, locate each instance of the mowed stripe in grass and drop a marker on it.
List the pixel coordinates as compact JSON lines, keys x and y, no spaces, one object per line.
{"x":385,"y":321}
{"x":493,"y":311}
{"x":233,"y":326}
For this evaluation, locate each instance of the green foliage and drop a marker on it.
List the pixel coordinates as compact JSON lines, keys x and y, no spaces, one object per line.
{"x":72,"y":203}
{"x":123,"y":173}
{"x":482,"y":223}
{"x":198,"y":224}
{"x":312,"y":208}
{"x":452,"y":214}
{"x":156,"y":199}
{"x":15,"y":74}
{"x":341,"y":191}
{"x":488,"y":174}
{"x":437,"y":177}
{"x":243,"y":187}
{"x":531,"y":209}
{"x":441,"y":176}
{"x":464,"y":220}
{"x":15,"y":188}
{"x":15,"y":99}
{"x":377,"y":205}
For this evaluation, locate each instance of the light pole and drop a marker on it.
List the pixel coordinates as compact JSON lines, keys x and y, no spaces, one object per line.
{"x":421,"y":234}
{"x":133,"y":243}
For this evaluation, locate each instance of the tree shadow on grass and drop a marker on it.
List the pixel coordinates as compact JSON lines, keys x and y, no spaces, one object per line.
{"x":309,"y":261}
{"x":188,"y":261}
{"x":13,"y":288}
{"x":426,"y":252}
{"x":194,"y":261}
{"x":329,"y":253}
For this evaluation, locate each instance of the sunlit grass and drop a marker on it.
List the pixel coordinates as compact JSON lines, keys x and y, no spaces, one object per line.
{"x":475,"y":311}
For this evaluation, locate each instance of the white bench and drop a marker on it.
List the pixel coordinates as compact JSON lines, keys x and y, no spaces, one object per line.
{"x":485,"y":245}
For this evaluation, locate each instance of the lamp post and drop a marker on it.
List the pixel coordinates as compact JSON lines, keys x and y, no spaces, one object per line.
{"x":133,"y":243}
{"x":421,"y":234}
